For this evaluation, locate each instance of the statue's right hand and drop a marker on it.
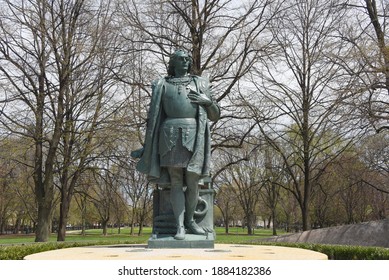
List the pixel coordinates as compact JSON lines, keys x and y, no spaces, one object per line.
{"x":198,"y":98}
{"x":137,"y":153}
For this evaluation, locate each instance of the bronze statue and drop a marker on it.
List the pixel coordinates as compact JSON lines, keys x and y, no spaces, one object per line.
{"x":177,"y":142}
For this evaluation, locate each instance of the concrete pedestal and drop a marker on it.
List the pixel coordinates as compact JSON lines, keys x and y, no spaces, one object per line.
{"x":142,"y":252}
{"x":164,"y":226}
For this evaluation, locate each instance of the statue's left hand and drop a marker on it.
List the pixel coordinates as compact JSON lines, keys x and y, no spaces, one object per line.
{"x":137,"y":153}
{"x":198,"y":98}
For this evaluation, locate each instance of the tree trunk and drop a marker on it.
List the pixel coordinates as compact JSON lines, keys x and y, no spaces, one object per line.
{"x":196,"y":40}
{"x":307,"y":196}
{"x":2,"y":228}
{"x":249,"y":229}
{"x":140,"y":229}
{"x":269,"y":222}
{"x":305,"y":218}
{"x":132,"y":221}
{"x":83,"y":227}
{"x":141,"y":219}
{"x":66,"y":196}
{"x":273,"y":214}
{"x":1,"y":225}
{"x":227,"y":224}
{"x":82,"y":207}
{"x":63,"y":218}
{"x":119,"y":225}
{"x":104,"y":224}
{"x":17,"y":225}
{"x":44,"y":196}
{"x":42,"y":232}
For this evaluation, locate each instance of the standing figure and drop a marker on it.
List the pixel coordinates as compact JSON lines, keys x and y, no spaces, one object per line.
{"x":177,"y":143}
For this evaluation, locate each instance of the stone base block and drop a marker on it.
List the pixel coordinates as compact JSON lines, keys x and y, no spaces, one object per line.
{"x":190,"y":241}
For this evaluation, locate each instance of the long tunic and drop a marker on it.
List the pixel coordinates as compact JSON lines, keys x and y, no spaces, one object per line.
{"x":177,"y":133}
{"x":199,"y":162}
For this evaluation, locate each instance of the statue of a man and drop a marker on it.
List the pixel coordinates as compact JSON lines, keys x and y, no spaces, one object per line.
{"x":176,"y":152}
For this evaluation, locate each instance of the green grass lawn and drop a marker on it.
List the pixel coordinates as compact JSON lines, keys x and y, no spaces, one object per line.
{"x":236,"y":235}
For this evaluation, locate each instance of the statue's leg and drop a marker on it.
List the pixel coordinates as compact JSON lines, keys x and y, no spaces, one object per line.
{"x":177,"y":199}
{"x":191,"y":199}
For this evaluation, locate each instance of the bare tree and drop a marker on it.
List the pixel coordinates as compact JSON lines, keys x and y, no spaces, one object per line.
{"x":139,"y":191}
{"x":272,"y":179}
{"x":58,"y":61}
{"x":227,"y":203}
{"x":289,"y":212}
{"x":368,"y":60}
{"x":298,"y":109}
{"x":7,"y":199}
{"x":245,"y":180}
{"x":91,"y":102}
{"x":33,"y":91}
{"x":374,"y":154}
{"x":81,"y":198}
{"x":105,"y":192}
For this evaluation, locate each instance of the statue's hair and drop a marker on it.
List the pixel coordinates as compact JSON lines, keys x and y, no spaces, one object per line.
{"x":170,"y":70}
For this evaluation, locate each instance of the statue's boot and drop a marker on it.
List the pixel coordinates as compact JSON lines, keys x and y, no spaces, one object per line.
{"x":194,"y":228}
{"x":180,"y":235}
{"x":191,"y":200}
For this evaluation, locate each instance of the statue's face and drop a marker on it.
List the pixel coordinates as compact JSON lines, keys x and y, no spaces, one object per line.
{"x":181,"y":63}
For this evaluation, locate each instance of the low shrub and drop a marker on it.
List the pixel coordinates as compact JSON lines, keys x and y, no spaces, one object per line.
{"x":18,"y":252}
{"x":340,"y":252}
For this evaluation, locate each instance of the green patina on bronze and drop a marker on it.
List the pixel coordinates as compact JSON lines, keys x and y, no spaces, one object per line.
{"x":177,"y":142}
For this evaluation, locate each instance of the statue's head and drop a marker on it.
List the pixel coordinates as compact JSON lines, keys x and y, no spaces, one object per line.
{"x":179,"y":57}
